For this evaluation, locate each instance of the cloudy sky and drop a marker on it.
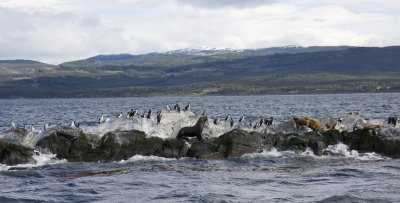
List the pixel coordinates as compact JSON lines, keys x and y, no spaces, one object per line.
{"x":55,"y":31}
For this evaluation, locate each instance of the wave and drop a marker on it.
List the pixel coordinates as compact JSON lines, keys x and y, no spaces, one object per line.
{"x":40,"y":158}
{"x":331,"y":152}
{"x":141,"y":158}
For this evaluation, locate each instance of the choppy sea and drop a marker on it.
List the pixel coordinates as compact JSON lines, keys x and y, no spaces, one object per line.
{"x":270,"y":176}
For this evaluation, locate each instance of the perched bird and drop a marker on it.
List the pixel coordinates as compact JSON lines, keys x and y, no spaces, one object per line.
{"x":204,"y":113}
{"x":149,"y":113}
{"x":74,"y":124}
{"x":216,"y":120}
{"x":257,"y":124}
{"x":46,"y":126}
{"x":107,"y":119}
{"x":269,"y":121}
{"x":119,"y":115}
{"x":251,"y":124}
{"x":33,"y":128}
{"x":168,"y":108}
{"x":101,"y":119}
{"x":261,"y":121}
{"x":127,"y":115}
{"x":159,"y":117}
{"x":187,"y":107}
{"x":176,"y":106}
{"x":241,"y":118}
{"x":12,"y":125}
{"x":133,"y":113}
{"x":232,"y":122}
{"x":340,"y":120}
{"x":227,"y":117}
{"x":393,"y":120}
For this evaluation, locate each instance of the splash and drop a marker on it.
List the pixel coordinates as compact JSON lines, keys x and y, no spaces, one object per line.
{"x":343,"y":151}
{"x":141,"y":158}
{"x":41,"y":159}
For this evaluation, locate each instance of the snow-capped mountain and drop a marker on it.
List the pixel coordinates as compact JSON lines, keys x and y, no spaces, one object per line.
{"x":204,"y":51}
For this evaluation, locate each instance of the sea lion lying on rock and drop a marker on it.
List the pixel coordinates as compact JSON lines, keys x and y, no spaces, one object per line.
{"x":194,"y":131}
{"x":313,"y":123}
{"x":300,"y":122}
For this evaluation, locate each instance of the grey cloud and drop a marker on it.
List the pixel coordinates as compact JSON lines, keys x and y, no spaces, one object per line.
{"x":226,"y":3}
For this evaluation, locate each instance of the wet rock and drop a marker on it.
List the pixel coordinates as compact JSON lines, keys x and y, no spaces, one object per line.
{"x":13,"y":154}
{"x":69,"y":143}
{"x":120,"y":145}
{"x":19,"y":136}
{"x":173,"y":148}
{"x":232,"y":144}
{"x":371,"y":141}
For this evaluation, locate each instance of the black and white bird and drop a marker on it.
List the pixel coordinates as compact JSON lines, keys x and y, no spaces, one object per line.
{"x":46,"y":126}
{"x":256,"y":125}
{"x":149,"y":113}
{"x":101,"y":119}
{"x":216,"y":120}
{"x":204,"y":113}
{"x":168,"y":108}
{"x":12,"y":125}
{"x":251,"y":124}
{"x":232,"y":122}
{"x":119,"y":115}
{"x":187,"y":107}
{"x":227,"y":117}
{"x":107,"y":119}
{"x":73,"y":124}
{"x":241,"y":118}
{"x":262,"y":121}
{"x":269,"y":121}
{"x":133,"y":113}
{"x":159,"y":117}
{"x":33,"y":128}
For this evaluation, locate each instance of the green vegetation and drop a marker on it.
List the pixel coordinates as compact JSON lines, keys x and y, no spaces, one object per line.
{"x":293,"y":70}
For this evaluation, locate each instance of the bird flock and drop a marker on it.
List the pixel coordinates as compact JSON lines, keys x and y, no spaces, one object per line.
{"x":392,"y":120}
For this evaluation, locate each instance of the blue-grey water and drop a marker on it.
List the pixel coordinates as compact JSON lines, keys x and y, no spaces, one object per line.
{"x":270,"y":176}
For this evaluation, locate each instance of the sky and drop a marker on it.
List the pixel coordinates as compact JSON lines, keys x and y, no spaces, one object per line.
{"x":56,"y":31}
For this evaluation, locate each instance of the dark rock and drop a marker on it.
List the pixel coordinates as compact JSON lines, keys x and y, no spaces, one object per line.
{"x":371,"y":141}
{"x":69,"y":143}
{"x":232,"y":144}
{"x":13,"y":154}
{"x":209,"y":149}
{"x":125,"y":144}
{"x":173,"y":148}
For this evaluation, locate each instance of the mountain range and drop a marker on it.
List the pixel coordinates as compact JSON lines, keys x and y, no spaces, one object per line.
{"x":192,"y":72}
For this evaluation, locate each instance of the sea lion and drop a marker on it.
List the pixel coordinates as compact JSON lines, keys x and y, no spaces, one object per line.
{"x":300,"y":122}
{"x":193,"y":131}
{"x":313,"y":123}
{"x":328,"y":127}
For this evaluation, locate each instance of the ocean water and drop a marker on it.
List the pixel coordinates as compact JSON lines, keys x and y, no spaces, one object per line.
{"x":270,"y":176}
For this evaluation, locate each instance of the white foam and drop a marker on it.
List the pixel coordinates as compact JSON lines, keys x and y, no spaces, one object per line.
{"x":41,"y":159}
{"x":343,"y":150}
{"x":141,"y":158}
{"x":265,"y":154}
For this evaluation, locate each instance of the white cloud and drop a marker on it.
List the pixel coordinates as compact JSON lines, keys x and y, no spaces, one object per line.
{"x":55,"y":31}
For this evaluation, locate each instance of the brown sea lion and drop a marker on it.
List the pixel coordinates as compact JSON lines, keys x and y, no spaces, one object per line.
{"x":193,"y":131}
{"x":300,"y":122}
{"x":313,"y":123}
